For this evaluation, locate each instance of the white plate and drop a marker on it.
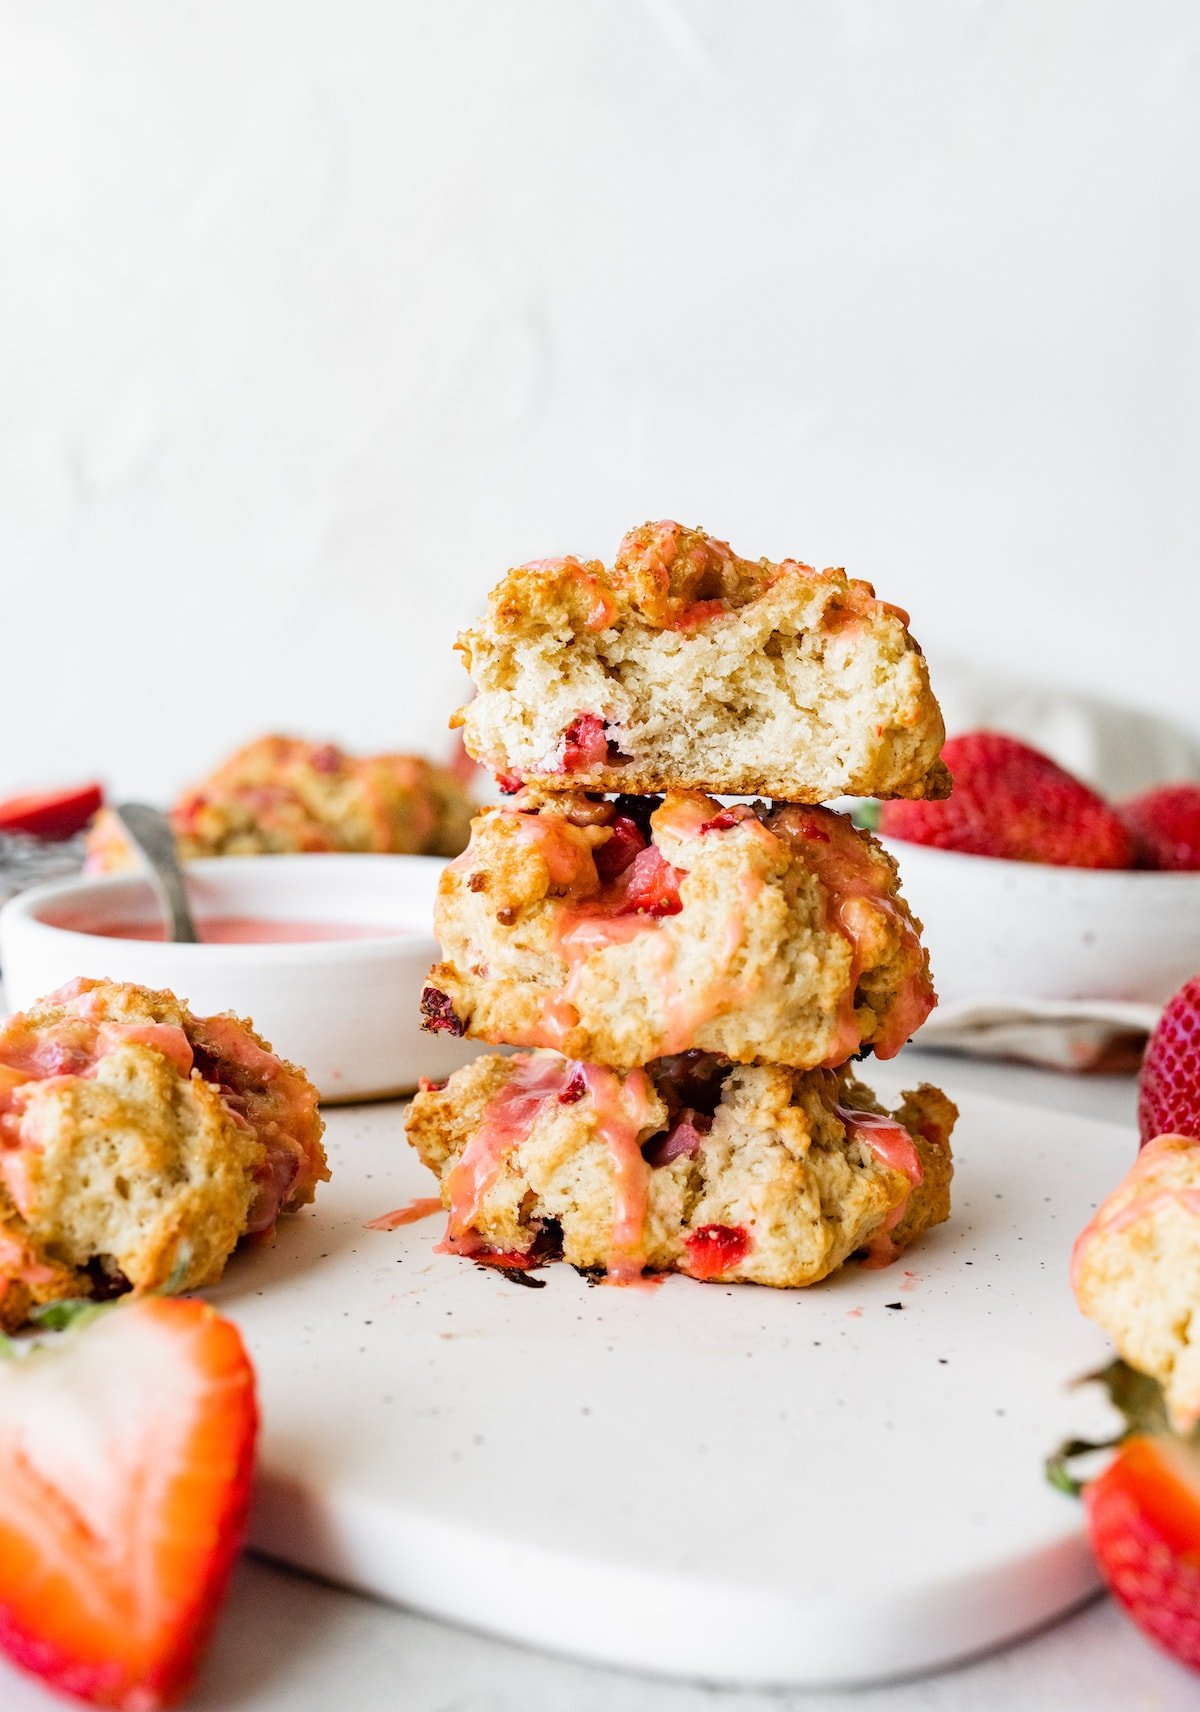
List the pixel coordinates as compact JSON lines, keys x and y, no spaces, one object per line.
{"x":727,"y":1483}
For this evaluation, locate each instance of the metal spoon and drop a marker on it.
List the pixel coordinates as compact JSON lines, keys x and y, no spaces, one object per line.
{"x":149,"y":831}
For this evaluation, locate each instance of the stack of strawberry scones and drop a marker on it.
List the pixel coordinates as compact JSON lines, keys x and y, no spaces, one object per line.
{"x":695,"y":977}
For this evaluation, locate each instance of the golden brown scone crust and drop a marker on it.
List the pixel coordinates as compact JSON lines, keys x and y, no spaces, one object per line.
{"x":1136,"y":1271}
{"x":778,"y":1165}
{"x":772,"y":958}
{"x":283,"y":796}
{"x":139,"y":1143}
{"x":707,"y":672}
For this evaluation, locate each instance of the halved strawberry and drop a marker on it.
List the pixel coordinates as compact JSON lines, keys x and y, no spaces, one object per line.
{"x":126,"y":1461}
{"x":52,"y":815}
{"x":1144,"y":1523}
{"x":1143,"y":1514}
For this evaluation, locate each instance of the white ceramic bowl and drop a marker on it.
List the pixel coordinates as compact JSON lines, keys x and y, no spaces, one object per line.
{"x":1010,"y":930}
{"x":346,"y":1010}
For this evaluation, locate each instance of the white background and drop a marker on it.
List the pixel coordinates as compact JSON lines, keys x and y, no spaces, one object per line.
{"x":315,"y":316}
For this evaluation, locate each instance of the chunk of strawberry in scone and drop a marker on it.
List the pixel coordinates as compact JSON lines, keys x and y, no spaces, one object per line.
{"x":584,"y":744}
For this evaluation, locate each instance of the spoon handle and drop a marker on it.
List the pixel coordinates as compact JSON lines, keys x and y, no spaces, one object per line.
{"x":150,"y":833}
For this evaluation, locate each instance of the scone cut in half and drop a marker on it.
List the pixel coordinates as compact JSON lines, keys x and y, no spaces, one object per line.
{"x":756,"y":1174}
{"x":626,"y":931}
{"x":1136,"y":1271}
{"x":139,"y":1143}
{"x":283,"y":796}
{"x":685,"y":667}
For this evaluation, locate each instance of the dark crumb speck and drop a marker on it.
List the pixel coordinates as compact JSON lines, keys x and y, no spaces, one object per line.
{"x":516,"y":1275}
{"x":893,"y":1304}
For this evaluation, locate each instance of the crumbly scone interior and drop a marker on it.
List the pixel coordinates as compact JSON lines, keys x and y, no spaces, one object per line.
{"x":1136,"y":1271}
{"x":802,"y":680}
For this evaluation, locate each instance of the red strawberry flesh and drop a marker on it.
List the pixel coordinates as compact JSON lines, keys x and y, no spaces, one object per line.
{"x":613,"y":858}
{"x":126,"y":1459}
{"x":584,"y":744}
{"x":1144,"y":1522}
{"x":1011,"y":801}
{"x":715,"y":1249}
{"x":53,"y":815}
{"x":649,"y":886}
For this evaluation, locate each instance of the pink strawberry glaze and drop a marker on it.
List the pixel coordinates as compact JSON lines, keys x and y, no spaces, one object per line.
{"x":240,"y":930}
{"x":593,"y":926}
{"x":855,"y":886}
{"x":421,"y":1208}
{"x":507,"y":1120}
{"x":565,"y":849}
{"x":891,"y":1143}
{"x":622,"y":1111}
{"x":18,"y":1266}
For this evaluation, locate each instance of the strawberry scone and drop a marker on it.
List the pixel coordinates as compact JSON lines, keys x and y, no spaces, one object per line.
{"x":284,"y":796}
{"x":754,"y":1174}
{"x":1136,"y":1270}
{"x":625,"y":931}
{"x":685,"y":667}
{"x":140,"y":1143}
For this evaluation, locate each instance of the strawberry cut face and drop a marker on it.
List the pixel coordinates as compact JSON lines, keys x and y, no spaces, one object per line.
{"x":649,"y":886}
{"x":1144,"y":1522}
{"x":715,"y":1249}
{"x":126,"y":1459}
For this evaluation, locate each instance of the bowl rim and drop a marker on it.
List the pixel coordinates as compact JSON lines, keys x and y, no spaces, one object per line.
{"x":20,"y":913}
{"x":1166,"y":879}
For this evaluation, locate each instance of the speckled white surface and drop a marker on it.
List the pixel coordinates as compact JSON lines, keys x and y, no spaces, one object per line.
{"x":287,"y":1644}
{"x":738,"y":1484}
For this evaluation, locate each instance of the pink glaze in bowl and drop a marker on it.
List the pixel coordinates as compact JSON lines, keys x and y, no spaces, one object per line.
{"x":326,"y":954}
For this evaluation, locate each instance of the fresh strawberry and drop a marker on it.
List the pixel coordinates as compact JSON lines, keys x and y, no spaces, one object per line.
{"x":585,"y":744}
{"x":126,"y":1459}
{"x":1143,"y":1515}
{"x":649,"y":886}
{"x":1144,"y":1522}
{"x":1165,"y":827}
{"x":1012,"y":801}
{"x":53,"y":815}
{"x":1169,"y":1084}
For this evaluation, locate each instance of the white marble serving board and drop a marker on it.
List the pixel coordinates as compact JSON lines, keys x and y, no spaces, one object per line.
{"x":722,"y":1483}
